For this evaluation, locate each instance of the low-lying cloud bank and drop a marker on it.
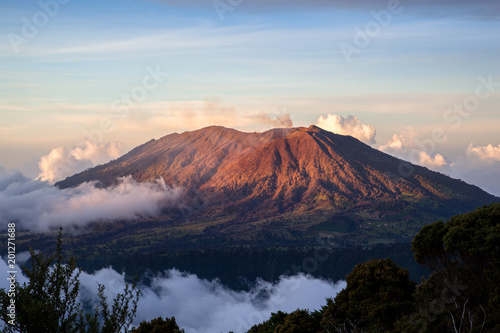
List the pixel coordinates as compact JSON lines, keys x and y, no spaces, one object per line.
{"x":38,"y":206}
{"x":202,"y":306}
{"x":206,"y":306}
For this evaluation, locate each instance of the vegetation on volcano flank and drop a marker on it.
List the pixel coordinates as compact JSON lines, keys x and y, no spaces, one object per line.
{"x":282,"y":187}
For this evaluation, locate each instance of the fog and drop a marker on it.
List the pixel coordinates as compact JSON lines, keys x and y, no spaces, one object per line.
{"x":39,"y":207}
{"x":202,"y":306}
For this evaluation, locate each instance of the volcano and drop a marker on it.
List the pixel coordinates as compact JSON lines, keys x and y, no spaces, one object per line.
{"x":290,"y":183}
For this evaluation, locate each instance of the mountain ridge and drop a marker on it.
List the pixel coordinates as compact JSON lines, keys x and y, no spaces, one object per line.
{"x":219,"y":152}
{"x":302,"y":179}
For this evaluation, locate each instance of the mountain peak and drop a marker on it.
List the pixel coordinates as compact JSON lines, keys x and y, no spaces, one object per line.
{"x":289,"y":174}
{"x":282,"y":168}
{"x":315,"y":128}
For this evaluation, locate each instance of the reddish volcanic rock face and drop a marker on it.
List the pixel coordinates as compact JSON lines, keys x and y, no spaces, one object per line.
{"x":278,"y":170}
{"x":189,"y":159}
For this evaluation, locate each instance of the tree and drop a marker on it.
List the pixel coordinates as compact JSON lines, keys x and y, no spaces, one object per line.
{"x":270,"y":325}
{"x":299,"y":321}
{"x":158,"y":325}
{"x":49,"y":301}
{"x":378,"y":292}
{"x":463,"y":293}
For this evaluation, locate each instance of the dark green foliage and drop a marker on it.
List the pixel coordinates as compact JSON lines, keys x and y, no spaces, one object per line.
{"x":270,"y":325}
{"x":462,"y":295}
{"x":464,"y":254}
{"x":116,"y":319}
{"x":159,"y":325}
{"x":299,"y":321}
{"x":377,"y":294}
{"x":48,"y":302}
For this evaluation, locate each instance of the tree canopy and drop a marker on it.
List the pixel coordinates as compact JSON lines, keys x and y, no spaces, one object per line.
{"x":158,"y":325}
{"x":464,"y":289}
{"x":462,"y":295}
{"x":378,"y":293}
{"x":49,"y":303}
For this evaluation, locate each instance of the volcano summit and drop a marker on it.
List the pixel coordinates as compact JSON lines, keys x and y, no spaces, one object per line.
{"x":289,"y":184}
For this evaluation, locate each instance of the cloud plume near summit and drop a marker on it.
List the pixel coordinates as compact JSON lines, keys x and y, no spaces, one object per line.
{"x":348,"y":126}
{"x":61,"y":162}
{"x":39,"y":207}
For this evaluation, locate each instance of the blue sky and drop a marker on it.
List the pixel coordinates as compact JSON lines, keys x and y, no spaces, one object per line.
{"x":263,"y":60}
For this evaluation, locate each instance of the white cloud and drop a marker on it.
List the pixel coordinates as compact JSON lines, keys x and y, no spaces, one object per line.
{"x":486,"y":153}
{"x":433,"y":162}
{"x":202,"y":306}
{"x":480,"y":165}
{"x":39,"y":207}
{"x":395,"y":147}
{"x":61,"y":162}
{"x":400,"y":147}
{"x":348,"y":126}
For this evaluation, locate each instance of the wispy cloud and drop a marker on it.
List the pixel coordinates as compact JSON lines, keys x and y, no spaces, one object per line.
{"x":480,"y":165}
{"x":5,"y":130}
{"x":425,"y":7}
{"x":40,"y":207}
{"x":173,"y":40}
{"x":332,"y":3}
